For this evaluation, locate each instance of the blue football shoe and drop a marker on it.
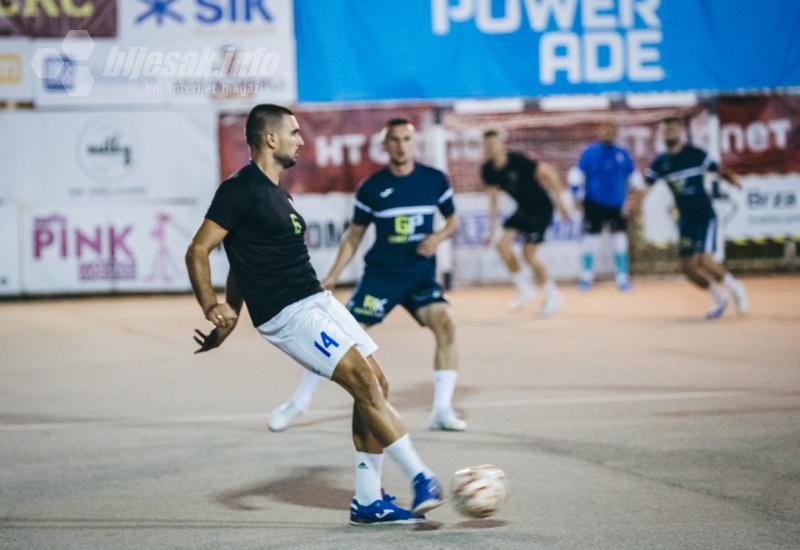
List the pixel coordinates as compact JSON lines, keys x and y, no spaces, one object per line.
{"x":427,"y":494}
{"x":381,"y":512}
{"x":624,"y":286}
{"x":584,"y":285}
{"x":717,"y":311}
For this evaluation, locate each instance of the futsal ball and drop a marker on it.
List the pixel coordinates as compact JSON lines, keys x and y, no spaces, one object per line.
{"x":479,"y":491}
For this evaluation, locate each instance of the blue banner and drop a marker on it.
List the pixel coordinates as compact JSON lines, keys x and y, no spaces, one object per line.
{"x":354,"y":50}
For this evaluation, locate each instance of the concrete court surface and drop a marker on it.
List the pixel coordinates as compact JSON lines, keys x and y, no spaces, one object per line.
{"x":626,"y":422}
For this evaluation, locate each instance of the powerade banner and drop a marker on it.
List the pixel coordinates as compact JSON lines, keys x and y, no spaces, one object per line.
{"x":352,"y":50}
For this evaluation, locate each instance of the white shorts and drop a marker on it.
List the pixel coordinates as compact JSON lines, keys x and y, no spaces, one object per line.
{"x":316,"y":332}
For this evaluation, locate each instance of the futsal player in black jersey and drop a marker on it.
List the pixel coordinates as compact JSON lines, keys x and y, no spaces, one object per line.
{"x":683,"y":167}
{"x":536,"y":188}
{"x":264,"y":238}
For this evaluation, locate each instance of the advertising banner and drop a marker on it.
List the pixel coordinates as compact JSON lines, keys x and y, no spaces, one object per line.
{"x":55,"y":18}
{"x":231,"y":53}
{"x":121,"y":155}
{"x":342,"y":147}
{"x":15,"y":70}
{"x":760,"y":135}
{"x":429,"y":49}
{"x":71,"y":247}
{"x":768,"y":206}
{"x":9,"y":250}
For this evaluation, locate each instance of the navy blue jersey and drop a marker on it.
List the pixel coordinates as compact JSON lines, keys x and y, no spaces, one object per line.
{"x":606,"y":169}
{"x":684,"y":173}
{"x":402,"y":208}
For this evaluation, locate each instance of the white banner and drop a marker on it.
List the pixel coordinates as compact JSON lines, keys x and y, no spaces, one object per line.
{"x":121,"y":155}
{"x":767,"y":206}
{"x":476,"y":263}
{"x":69,"y":247}
{"x":9,"y":250}
{"x":15,"y":71}
{"x":232,"y":53}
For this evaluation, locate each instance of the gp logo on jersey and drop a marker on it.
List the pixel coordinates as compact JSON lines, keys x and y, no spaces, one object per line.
{"x":372,"y":306}
{"x":167,"y":13}
{"x":405,"y":228}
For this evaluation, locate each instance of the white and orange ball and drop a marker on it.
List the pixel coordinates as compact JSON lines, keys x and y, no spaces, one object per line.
{"x":479,"y":491}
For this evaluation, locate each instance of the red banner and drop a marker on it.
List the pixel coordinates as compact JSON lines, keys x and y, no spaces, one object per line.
{"x":342,"y":147}
{"x":55,"y":18}
{"x":760,"y":135}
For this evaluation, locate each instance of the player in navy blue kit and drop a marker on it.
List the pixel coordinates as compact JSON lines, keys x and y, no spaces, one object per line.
{"x":683,"y":168}
{"x":401,"y":200}
{"x":604,"y":173}
{"x":536,"y":188}
{"x":264,"y":238}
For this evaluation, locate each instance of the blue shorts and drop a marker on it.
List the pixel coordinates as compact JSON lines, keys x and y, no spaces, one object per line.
{"x":378,"y":293}
{"x":697,"y":237}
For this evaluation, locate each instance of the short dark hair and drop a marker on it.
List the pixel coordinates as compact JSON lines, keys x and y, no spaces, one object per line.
{"x":265,"y":115}
{"x":397,"y":121}
{"x":672,"y":120}
{"x":490,"y":133}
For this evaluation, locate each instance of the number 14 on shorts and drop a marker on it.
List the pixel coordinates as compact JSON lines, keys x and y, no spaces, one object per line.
{"x":327,"y":342}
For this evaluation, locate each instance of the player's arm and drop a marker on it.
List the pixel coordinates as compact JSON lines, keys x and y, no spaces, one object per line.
{"x":730,"y":176}
{"x":214,"y":338}
{"x":207,"y":238}
{"x":494,"y":195}
{"x":428,"y":246}
{"x":551,"y":181}
{"x":347,"y":249}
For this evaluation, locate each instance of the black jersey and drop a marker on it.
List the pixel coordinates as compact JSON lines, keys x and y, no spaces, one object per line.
{"x":684,"y":174}
{"x":518,"y":179}
{"x":265,"y":243}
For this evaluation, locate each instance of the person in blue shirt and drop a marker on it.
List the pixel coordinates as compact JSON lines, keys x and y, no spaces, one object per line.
{"x":401,"y":200}
{"x":604,"y":173}
{"x":683,"y":167}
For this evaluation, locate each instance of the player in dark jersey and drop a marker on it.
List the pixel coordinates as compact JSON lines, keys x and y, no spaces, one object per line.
{"x":401,"y":200}
{"x":536,"y":188}
{"x":683,"y":168}
{"x":264,"y":238}
{"x":600,"y":183}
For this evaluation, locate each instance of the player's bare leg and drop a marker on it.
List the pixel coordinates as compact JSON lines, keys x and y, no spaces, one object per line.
{"x":525,"y":290}
{"x":439,"y":319}
{"x":552,"y":297}
{"x":376,"y":425}
{"x":693,"y":268}
{"x":722,"y":275}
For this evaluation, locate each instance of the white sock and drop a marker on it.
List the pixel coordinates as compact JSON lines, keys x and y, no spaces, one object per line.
{"x":443,"y":388}
{"x":368,"y":477}
{"x":717,"y":293}
{"x":403,"y":453}
{"x":730,"y":281}
{"x":522,"y":282}
{"x":550,"y":287}
{"x":305,"y":391}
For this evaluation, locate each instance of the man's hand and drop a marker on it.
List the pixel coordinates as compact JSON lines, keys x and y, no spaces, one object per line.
{"x":328,"y":283}
{"x":428,"y":246}
{"x":222,"y":315}
{"x":213,"y":339}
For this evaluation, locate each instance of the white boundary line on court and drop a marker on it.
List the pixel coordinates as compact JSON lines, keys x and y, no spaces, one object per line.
{"x":263,"y":417}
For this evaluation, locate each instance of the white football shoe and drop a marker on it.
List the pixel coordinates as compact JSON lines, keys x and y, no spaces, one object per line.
{"x":523,"y":297}
{"x":446,"y":420}
{"x":280,"y":418}
{"x":552,"y":303}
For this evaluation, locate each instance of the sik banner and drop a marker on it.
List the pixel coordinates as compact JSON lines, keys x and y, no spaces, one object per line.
{"x":342,"y":147}
{"x":427,"y":49}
